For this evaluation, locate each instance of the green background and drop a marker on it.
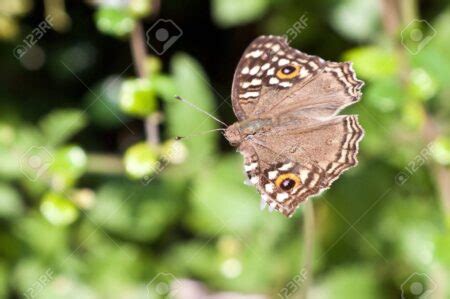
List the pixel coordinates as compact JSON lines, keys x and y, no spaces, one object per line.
{"x":93,"y":206}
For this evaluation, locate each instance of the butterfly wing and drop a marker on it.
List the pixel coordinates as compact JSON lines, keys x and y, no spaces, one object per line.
{"x":260,"y":86}
{"x":312,"y":156}
{"x":309,"y":145}
{"x":257,"y":67}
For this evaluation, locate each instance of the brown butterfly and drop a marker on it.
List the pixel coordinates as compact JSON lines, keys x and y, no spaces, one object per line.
{"x":293,"y":142}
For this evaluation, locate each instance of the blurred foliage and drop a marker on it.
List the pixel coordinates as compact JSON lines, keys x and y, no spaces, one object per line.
{"x":91,"y":207}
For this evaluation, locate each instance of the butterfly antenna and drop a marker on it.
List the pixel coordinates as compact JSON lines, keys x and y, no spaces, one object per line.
{"x":198,"y":134}
{"x":201,"y":110}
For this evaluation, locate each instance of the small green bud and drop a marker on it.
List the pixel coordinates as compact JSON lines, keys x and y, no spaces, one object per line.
{"x":58,"y":209}
{"x":174,"y":151}
{"x":141,"y":160}
{"x":138,"y":97}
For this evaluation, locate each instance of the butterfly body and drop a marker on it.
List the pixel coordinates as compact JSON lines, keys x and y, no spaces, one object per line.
{"x":241,"y":131}
{"x":293,"y":141}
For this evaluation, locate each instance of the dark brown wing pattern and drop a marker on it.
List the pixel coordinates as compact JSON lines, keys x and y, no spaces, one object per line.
{"x":309,"y":146}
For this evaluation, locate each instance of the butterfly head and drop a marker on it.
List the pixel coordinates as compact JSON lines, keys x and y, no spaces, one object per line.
{"x":233,"y":134}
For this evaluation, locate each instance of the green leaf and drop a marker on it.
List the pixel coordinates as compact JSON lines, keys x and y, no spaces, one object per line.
{"x":442,"y":246}
{"x":222,"y":202}
{"x":192,"y":84}
{"x":165,"y":87}
{"x":69,"y":165}
{"x":228,"y":13}
{"x":357,"y":20}
{"x":422,"y":86}
{"x":357,"y":281}
{"x":102,"y":105}
{"x":10,"y":202}
{"x":411,"y":224}
{"x":26,"y":273}
{"x":60,"y":125}
{"x":138,"y":97}
{"x":114,"y":21}
{"x":373,"y":62}
{"x":386,"y":95}
{"x":139,"y":211}
{"x":30,"y":230}
{"x":434,"y":46}
{"x":413,"y":115}
{"x":4,"y":276}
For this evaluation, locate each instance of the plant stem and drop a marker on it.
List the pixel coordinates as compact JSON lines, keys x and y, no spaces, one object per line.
{"x":308,"y":236}
{"x":105,"y":164}
{"x":151,"y":128}
{"x":139,"y":52}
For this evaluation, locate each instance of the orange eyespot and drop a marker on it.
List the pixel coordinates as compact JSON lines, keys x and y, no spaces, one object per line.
{"x":287,"y":181}
{"x":288,"y":71}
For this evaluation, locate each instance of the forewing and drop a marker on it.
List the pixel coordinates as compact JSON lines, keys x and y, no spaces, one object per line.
{"x":333,"y":88}
{"x":257,"y":71}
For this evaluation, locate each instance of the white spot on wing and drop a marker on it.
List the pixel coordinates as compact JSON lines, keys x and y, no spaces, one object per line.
{"x":286,"y":166}
{"x":269,"y":187}
{"x":254,"y":54}
{"x":250,"y":167}
{"x":303,"y":175}
{"x":272,"y":206}
{"x":274,"y":80}
{"x":303,"y":72}
{"x":245,"y":84}
{"x":256,"y":82}
{"x":254,"y":180}
{"x":254,"y":70}
{"x":265,"y":66}
{"x":283,"y":61}
{"x":272,"y":174}
{"x":285,"y":84}
{"x":250,"y":94}
{"x":281,"y":197}
{"x":276,"y":48}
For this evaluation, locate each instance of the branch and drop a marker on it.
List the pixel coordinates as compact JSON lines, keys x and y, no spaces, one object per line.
{"x":105,"y":164}
{"x":308,"y":232}
{"x":139,"y":52}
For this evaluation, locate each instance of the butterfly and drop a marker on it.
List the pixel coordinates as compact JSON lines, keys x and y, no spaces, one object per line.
{"x":293,"y":141}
